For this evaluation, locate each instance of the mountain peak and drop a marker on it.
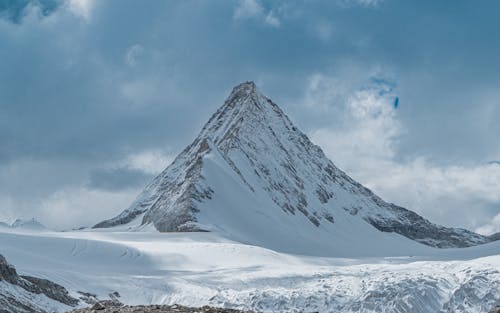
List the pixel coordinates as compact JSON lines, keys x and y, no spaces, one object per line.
{"x":255,"y":177}
{"x":241,"y":92}
{"x":244,"y":88}
{"x":245,"y":110}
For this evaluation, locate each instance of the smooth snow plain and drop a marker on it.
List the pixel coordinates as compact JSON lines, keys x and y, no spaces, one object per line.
{"x":207,"y":268}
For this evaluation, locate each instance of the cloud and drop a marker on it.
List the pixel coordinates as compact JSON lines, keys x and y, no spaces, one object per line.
{"x":114,"y":86}
{"x":88,"y":206}
{"x":69,"y":193}
{"x":117,"y":179}
{"x":149,"y":161}
{"x":248,"y":9}
{"x":362,"y":3}
{"x":16,"y":10}
{"x":324,"y":30}
{"x":133,"y":171}
{"x":252,"y":9}
{"x":491,"y":227}
{"x":133,"y":54}
{"x":272,"y":20}
{"x":81,"y":8}
{"x":365,"y":145}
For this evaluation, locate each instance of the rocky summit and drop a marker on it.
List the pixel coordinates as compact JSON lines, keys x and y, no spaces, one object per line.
{"x":252,"y":176}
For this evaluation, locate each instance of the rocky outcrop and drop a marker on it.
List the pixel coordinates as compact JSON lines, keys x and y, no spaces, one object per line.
{"x":8,"y":272}
{"x":50,"y":289}
{"x":17,"y":291}
{"x":103,"y":307}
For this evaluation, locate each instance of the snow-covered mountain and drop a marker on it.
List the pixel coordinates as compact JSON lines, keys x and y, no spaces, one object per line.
{"x":31,"y":224}
{"x":254,"y":177}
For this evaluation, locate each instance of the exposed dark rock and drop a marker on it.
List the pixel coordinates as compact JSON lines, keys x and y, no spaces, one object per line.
{"x":105,"y":307}
{"x":7,"y":271}
{"x":494,"y":237}
{"x":413,"y":226}
{"x":88,"y":297}
{"x":51,"y":290}
{"x":33,"y":285}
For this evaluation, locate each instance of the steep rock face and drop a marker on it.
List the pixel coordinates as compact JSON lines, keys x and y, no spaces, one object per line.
{"x":276,"y":164}
{"x":21,"y":293}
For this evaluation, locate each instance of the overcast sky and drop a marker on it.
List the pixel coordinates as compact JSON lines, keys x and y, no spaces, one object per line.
{"x":96,"y":97}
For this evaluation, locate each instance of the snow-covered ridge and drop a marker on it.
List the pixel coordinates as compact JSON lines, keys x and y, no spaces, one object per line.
{"x":251,"y":166}
{"x":31,"y":224}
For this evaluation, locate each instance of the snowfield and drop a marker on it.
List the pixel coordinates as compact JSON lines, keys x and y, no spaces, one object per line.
{"x":205,"y":268}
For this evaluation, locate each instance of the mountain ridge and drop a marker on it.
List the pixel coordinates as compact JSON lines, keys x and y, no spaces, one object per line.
{"x":254,"y":144}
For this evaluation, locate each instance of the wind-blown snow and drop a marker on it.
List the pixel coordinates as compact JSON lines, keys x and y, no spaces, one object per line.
{"x":205,"y":268}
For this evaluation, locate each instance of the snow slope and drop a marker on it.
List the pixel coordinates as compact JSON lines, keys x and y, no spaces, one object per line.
{"x":252,"y":176}
{"x":205,"y":268}
{"x":27,"y":294}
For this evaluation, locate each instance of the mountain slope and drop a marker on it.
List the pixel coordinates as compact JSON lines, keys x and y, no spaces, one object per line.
{"x":254,"y":177}
{"x":30,"y":294}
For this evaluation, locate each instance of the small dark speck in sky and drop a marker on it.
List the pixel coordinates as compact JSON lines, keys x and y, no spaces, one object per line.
{"x":396,"y":102}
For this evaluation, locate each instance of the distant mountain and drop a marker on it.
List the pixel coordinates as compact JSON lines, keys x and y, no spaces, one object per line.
{"x":253,"y":176}
{"x":31,"y":224}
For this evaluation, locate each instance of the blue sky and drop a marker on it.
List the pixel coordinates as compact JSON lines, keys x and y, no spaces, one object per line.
{"x":98,"y":96}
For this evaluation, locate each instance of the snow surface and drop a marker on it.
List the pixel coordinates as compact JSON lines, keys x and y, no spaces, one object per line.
{"x":206,"y":268}
{"x":38,"y":302}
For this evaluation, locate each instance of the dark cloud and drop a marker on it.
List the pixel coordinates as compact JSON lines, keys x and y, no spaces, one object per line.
{"x":15,"y":10}
{"x":118,"y":179}
{"x":79,"y":89}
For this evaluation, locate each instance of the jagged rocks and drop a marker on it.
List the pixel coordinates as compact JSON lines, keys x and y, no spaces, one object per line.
{"x":7,"y":271}
{"x":109,"y":308}
{"x":51,"y":290}
{"x":29,"y":287}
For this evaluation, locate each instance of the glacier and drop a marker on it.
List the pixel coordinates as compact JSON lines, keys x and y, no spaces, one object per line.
{"x":204,"y":268}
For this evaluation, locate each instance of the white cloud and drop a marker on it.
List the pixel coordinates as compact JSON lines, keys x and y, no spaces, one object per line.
{"x":272,"y":20}
{"x":490,"y":228}
{"x":79,"y":206}
{"x":82,"y":206}
{"x":362,"y":3}
{"x":132,"y":54}
{"x":150,"y":161}
{"x":252,"y":9}
{"x":82,"y":8}
{"x":248,"y":9}
{"x":365,"y":143}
